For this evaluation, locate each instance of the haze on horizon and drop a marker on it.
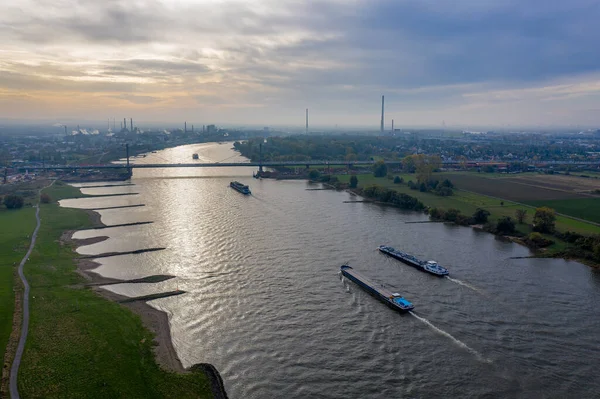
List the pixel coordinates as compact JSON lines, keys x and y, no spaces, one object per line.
{"x":464,"y":62}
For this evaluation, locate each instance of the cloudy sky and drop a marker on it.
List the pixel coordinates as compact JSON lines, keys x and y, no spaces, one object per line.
{"x":465,"y":62}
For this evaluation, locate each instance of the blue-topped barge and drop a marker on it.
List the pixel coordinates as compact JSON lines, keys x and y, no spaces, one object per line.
{"x":393,"y":300}
{"x":429,"y":266}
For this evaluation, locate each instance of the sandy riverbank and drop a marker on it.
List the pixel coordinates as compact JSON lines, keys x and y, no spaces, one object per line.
{"x":155,"y":320}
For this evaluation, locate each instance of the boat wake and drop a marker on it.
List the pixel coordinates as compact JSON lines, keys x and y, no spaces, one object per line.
{"x":466,"y":285}
{"x":458,"y":342}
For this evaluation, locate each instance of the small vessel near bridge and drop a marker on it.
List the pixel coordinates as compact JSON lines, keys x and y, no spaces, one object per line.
{"x":429,"y":266}
{"x":393,"y":300}
{"x":242,"y":188}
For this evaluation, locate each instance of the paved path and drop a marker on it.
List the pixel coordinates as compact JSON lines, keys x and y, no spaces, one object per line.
{"x":14,"y":371}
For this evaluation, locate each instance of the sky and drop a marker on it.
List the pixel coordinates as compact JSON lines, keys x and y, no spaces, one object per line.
{"x":263,"y":62}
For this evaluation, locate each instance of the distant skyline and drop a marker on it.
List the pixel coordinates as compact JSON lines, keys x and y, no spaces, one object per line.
{"x":263,"y":62}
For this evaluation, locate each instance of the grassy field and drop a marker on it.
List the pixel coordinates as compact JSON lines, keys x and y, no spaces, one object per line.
{"x":584,"y":208}
{"x":81,"y":345}
{"x":468,"y":202}
{"x":16,"y":227}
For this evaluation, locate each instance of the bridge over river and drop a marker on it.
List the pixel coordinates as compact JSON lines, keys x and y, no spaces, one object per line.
{"x":307,"y":164}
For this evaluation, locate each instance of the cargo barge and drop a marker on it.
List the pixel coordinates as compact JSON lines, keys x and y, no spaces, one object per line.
{"x":429,"y":266}
{"x":393,"y":300}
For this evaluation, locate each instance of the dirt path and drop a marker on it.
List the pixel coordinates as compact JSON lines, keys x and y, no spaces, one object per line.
{"x":14,"y":371}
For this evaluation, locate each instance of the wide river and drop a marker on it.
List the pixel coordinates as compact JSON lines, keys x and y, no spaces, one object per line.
{"x":266,"y":305}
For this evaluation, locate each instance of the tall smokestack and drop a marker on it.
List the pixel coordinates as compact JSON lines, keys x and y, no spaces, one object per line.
{"x":192,"y":128}
{"x":124,"y":123}
{"x":306,"y":120}
{"x":382,"y":111}
{"x":131,"y":121}
{"x":185,"y":127}
{"x":392,"y":125}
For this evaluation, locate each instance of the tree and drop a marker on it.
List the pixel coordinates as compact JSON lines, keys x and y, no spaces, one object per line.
{"x":452,"y":214}
{"x":45,"y":198}
{"x":505,"y":225}
{"x":447,"y":183}
{"x":481,"y":216}
{"x":313,"y":174}
{"x":397,"y":180}
{"x":425,"y":165}
{"x":521,"y":215}
{"x":423,"y":187}
{"x":353,"y":181}
{"x":436,"y":214}
{"x":13,"y":201}
{"x":380,"y":169}
{"x":543,"y":220}
{"x":408,"y":164}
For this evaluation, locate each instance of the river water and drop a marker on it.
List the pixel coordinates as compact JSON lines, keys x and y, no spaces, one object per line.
{"x":266,"y":305}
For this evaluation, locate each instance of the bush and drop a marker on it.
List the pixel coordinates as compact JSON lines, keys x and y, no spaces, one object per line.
{"x":353,"y":181}
{"x":537,"y":240}
{"x":412,"y":185}
{"x":463,"y":220}
{"x":451,"y":215}
{"x":436,"y":214}
{"x":13,"y":201}
{"x":505,"y":225}
{"x":397,"y":180}
{"x":447,"y":183}
{"x":401,"y":200}
{"x":443,"y":191}
{"x":380,"y":169}
{"x":313,"y":174}
{"x":423,"y":188}
{"x":481,"y":216}
{"x":45,"y":198}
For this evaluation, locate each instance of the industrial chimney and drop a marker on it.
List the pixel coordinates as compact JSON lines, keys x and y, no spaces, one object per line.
{"x":306,"y":120}
{"x":382,"y":110}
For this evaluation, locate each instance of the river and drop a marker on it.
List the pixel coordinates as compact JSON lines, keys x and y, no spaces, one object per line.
{"x":266,"y":305}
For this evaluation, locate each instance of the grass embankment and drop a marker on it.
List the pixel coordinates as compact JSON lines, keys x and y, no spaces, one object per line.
{"x":16,"y":227}
{"x":468,"y":202}
{"x":79,"y":344}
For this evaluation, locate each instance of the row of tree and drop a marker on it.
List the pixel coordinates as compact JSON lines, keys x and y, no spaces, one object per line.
{"x":400,"y":200}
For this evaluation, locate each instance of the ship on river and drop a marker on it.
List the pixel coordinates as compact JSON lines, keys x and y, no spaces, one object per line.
{"x":429,"y":266}
{"x":393,"y":300}
{"x":242,"y":188}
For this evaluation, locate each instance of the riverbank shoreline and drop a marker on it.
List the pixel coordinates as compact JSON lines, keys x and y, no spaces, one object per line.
{"x":155,"y":320}
{"x":538,"y":253}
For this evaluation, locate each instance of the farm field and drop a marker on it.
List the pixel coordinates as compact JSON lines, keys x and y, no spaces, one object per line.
{"x":526,"y":188}
{"x":584,"y":208}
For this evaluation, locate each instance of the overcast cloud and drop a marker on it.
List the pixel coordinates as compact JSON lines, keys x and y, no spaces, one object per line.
{"x":465,"y":62}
